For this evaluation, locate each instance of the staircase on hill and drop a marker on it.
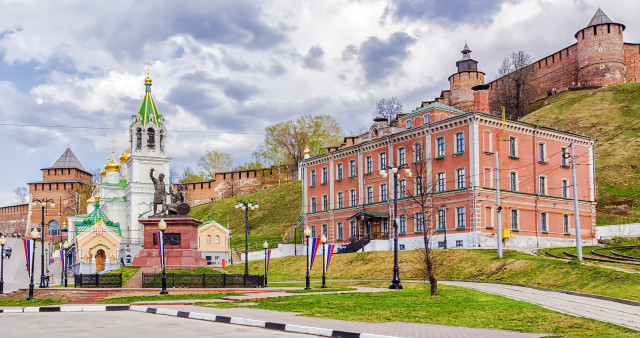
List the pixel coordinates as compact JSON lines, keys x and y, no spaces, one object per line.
{"x":136,"y":280}
{"x":357,"y":245}
{"x":92,"y":296}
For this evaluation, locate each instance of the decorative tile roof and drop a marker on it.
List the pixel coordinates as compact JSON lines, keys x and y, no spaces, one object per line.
{"x":68,"y":160}
{"x":599,"y":18}
{"x":93,"y":217}
{"x":148,"y":112}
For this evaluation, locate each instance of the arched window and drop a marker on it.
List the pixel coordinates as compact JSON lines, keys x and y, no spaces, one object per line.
{"x":161,"y":140}
{"x":54,"y":228}
{"x":151,"y":138}
{"x":217,"y":239}
{"x":139,"y":138}
{"x":208,"y":239}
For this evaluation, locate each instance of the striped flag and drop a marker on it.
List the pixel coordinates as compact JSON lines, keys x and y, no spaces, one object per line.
{"x":64,"y":261}
{"x":327,"y":256}
{"x":27,"y":252}
{"x":266,"y":268}
{"x":160,"y":246}
{"x":314,"y":248}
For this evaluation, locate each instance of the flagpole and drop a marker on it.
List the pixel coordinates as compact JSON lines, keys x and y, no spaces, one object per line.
{"x":324,"y":257}
{"x":307,"y":233}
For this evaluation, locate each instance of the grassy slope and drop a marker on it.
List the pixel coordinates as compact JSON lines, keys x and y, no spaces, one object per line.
{"x":599,"y":113}
{"x":279,"y":208}
{"x":482,"y":265}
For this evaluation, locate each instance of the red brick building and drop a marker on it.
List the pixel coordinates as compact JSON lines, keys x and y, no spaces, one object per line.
{"x":451,"y":154}
{"x":13,"y":218}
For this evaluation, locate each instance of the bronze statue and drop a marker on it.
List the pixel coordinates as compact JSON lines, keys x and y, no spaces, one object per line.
{"x":178,"y":205}
{"x":160,"y":194}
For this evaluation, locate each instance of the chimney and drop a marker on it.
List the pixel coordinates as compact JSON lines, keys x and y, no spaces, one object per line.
{"x":481,"y":98}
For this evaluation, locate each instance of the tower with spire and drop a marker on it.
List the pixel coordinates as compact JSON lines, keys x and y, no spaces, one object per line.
{"x":460,"y":83}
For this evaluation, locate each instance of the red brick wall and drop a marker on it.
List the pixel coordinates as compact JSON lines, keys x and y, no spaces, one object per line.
{"x":461,"y":95}
{"x":13,"y":218}
{"x":632,"y":61}
{"x":601,"y":55}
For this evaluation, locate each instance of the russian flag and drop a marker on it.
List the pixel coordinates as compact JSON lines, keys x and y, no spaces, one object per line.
{"x":266,"y":268}
{"x":160,"y":238}
{"x":63,"y":260}
{"x":327,"y":256}
{"x":314,"y":248}
{"x":27,"y":252}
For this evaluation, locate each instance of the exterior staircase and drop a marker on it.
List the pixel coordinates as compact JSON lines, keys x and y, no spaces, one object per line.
{"x":357,"y":245}
{"x":92,"y":296}
{"x":136,"y":281}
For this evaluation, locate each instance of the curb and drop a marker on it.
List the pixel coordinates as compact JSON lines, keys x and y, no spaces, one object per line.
{"x":256,"y":323}
{"x":69,"y":308}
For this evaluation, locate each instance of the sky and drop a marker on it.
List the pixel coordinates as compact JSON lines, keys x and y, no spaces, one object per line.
{"x":72,"y":72}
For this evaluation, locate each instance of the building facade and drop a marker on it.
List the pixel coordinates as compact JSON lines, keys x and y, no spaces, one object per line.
{"x":451,"y":189}
{"x":213,"y":243}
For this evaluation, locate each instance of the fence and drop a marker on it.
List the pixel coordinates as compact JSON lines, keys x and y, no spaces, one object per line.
{"x":154,"y":280}
{"x":98,"y":281}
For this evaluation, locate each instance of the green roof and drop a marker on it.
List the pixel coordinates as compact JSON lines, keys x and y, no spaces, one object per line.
{"x":433,"y":106}
{"x":211,"y":221}
{"x":148,"y":112}
{"x":93,"y":217}
{"x":122,"y":183}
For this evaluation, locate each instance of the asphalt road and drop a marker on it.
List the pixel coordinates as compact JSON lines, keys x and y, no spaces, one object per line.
{"x":15,"y":268}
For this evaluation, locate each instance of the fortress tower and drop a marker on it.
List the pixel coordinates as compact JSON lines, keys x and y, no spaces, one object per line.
{"x":460,"y":83}
{"x":601,"y":52}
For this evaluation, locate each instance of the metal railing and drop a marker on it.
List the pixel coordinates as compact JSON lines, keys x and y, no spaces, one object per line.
{"x":98,"y":281}
{"x":154,"y":280}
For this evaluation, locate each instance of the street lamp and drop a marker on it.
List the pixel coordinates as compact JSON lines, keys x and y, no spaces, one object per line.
{"x":307,"y":233}
{"x":34,"y":237}
{"x":295,"y":243}
{"x":64,"y":272}
{"x":323,"y":239}
{"x":395,"y":281}
{"x":265,"y":245}
{"x":162,"y":226}
{"x":43,"y":203}
{"x":3,"y":241}
{"x":230,"y":249}
{"x":63,"y":229}
{"x":246,"y":206}
{"x":443,"y":219}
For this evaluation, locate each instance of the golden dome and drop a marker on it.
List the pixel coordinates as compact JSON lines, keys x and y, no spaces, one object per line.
{"x":97,"y":198}
{"x":124,"y":157}
{"x":307,"y":151}
{"x":112,"y":165}
{"x":91,"y":200}
{"x":103,"y":173}
{"x":147,"y":81}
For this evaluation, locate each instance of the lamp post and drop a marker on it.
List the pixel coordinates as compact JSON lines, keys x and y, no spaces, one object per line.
{"x":444,"y":222}
{"x":64,"y":272}
{"x":265,"y":245}
{"x":307,"y":233}
{"x":395,"y":281}
{"x":63,"y":229}
{"x":34,"y":237}
{"x":295,"y":243}
{"x":3,"y":241}
{"x":323,"y":239}
{"x":230,"y":249}
{"x":246,"y":206}
{"x":162,"y":226}
{"x":43,"y":203}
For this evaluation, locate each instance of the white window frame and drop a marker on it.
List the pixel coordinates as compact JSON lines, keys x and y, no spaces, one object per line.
{"x":382,"y":161}
{"x":313,"y":178}
{"x":459,"y":146}
{"x":517,"y":219}
{"x":542,"y":186}
{"x":340,"y":199}
{"x":313,"y":231}
{"x":419,"y":221}
{"x":544,"y":222}
{"x":353,"y":198}
{"x":418,"y":184}
{"x":460,"y":178}
{"x":566,"y":224}
{"x":542,"y":152}
{"x":402,"y":229}
{"x":325,"y":175}
{"x":513,"y":146}
{"x":339,"y":171}
{"x":487,"y":142}
{"x":402,"y":156}
{"x":563,"y":158}
{"x":368,"y":164}
{"x":513,"y":181}
{"x":427,"y":118}
{"x":492,"y":216}
{"x":565,"y":188}
{"x":383,"y":192}
{"x":325,"y":202}
{"x":353,"y":168}
{"x":314,"y":205}
{"x":440,"y":147}
{"x":408,"y":124}
{"x":441,"y":181}
{"x":417,"y":153}
{"x":370,"y":194}
{"x":352,"y":229}
{"x":442,"y":219}
{"x":490,"y":178}
{"x":340,"y":230}
{"x":461,"y":218}
{"x":325,"y":230}
{"x":402,"y":189}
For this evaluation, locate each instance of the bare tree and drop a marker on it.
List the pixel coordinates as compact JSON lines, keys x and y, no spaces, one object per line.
{"x":21,"y":195}
{"x":231,"y":187}
{"x":514,"y":90}
{"x":388,"y":108}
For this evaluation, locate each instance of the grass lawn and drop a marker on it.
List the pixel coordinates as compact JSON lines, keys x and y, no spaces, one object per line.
{"x":453,"y":306}
{"x":33,"y":302}
{"x":126,"y":271}
{"x":321,"y":290}
{"x":133,"y":299}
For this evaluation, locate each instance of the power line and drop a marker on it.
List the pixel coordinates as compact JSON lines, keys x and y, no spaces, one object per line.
{"x":124,"y":129}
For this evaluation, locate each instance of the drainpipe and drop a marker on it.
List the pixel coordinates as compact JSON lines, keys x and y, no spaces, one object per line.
{"x":535,"y":183}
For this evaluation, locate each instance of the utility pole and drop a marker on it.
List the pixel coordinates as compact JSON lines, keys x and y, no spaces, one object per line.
{"x":576,"y":214}
{"x":499,"y":207}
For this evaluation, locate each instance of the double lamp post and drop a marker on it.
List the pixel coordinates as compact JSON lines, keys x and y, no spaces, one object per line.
{"x":246,"y":206}
{"x":323,"y":239}
{"x":34,"y":204}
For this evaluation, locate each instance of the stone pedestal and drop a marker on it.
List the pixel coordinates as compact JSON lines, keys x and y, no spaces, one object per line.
{"x":176,"y":255}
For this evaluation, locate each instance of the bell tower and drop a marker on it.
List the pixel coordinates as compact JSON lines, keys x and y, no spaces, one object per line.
{"x":460,"y":83}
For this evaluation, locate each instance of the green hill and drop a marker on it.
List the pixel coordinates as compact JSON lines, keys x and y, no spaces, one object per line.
{"x":612,"y":114}
{"x":279,"y":208}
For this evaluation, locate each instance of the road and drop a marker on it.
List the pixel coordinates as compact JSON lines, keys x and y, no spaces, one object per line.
{"x":598,"y":309}
{"x":15,"y":270}
{"x":118,"y":324}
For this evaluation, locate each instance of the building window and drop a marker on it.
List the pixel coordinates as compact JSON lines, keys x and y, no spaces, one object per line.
{"x":401,"y":156}
{"x":340,"y":230}
{"x":339,"y":170}
{"x":418,"y":186}
{"x":460,"y":218}
{"x":340,"y":200}
{"x":565,"y":189}
{"x":543,"y":185}
{"x":313,"y":231}
{"x":403,"y":188}
{"x":563,"y":157}
{"x":353,"y":198}
{"x":514,"y":219}
{"x":459,"y":242}
{"x":369,"y":161}
{"x":440,"y":180}
{"x":385,"y":226}
{"x":514,"y":181}
{"x":325,"y":202}
{"x":352,"y":168}
{"x":207,"y":239}
{"x":313,"y":204}
{"x":369,"y":195}
{"x":216,"y":239}
{"x":488,"y":177}
{"x":488,"y":217}
{"x":427,"y":118}
{"x":513,"y":147}
{"x":313,"y":178}
{"x":565,"y":223}
{"x":419,"y":222}
{"x":543,"y":222}
{"x":352,"y":229}
{"x":54,"y":228}
{"x":325,"y":175}
{"x":442,"y":219}
{"x":487,"y":142}
{"x":383,"y":161}
{"x":542,"y":152}
{"x":440,"y":147}
{"x":408,"y":124}
{"x":417,"y":153}
{"x":325,"y":232}
{"x":460,"y":178}
{"x":403,"y":224}
{"x":383,"y":192}
{"x":460,"y":143}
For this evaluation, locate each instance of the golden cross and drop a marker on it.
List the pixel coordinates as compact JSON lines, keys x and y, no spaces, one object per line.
{"x":113,"y":142}
{"x":149,"y":64}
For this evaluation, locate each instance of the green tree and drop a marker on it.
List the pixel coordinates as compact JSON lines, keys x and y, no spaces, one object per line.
{"x":189,"y":175}
{"x":285,"y":142}
{"x":213,"y":162}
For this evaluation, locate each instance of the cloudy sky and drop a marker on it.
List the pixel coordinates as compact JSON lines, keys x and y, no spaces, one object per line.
{"x":224,"y":70}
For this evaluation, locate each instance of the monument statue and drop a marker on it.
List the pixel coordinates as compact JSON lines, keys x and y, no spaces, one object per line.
{"x":178,"y":204}
{"x":160,"y":195}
